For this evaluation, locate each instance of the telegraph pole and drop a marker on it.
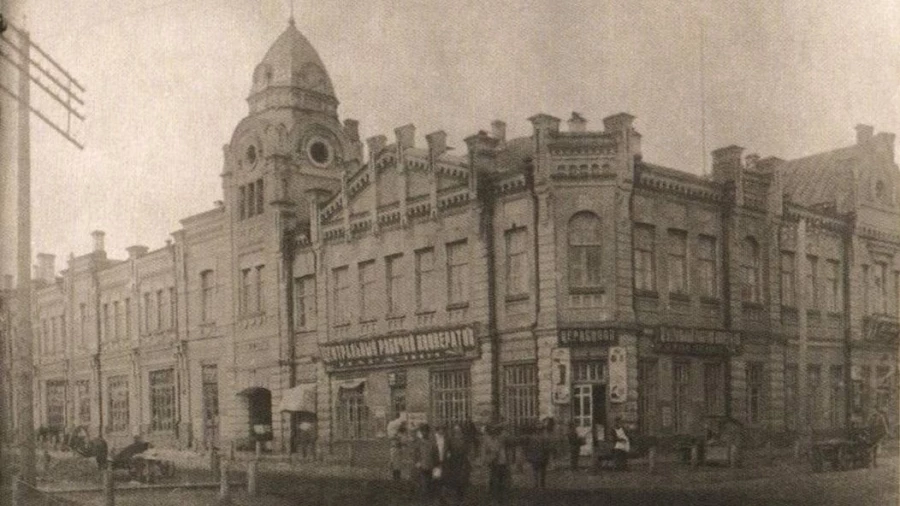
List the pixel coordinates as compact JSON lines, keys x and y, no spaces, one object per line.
{"x":55,"y":82}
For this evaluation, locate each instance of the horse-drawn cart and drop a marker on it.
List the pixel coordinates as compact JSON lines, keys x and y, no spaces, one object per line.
{"x":842,"y":453}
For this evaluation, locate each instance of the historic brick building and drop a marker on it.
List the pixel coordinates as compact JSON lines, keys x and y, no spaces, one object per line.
{"x":558,"y":274}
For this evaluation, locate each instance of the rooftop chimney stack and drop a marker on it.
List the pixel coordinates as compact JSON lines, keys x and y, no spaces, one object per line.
{"x":577,"y":123}
{"x":498,"y":130}
{"x":437,"y":142}
{"x":137,"y":251}
{"x":376,"y":145}
{"x":726,"y":164}
{"x":46,"y":271}
{"x":406,"y":136}
{"x":98,"y":236}
{"x":864,"y":133}
{"x":618,"y":122}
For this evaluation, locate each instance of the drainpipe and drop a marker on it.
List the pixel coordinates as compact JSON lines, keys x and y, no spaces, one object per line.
{"x":486,"y":196}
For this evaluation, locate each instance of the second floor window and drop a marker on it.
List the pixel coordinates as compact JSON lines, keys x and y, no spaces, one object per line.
{"x":812,"y":282}
{"x":788,"y":283}
{"x":393,"y":267}
{"x":678,"y":261}
{"x":516,"y":262}
{"x":644,"y":269}
{"x":206,"y":295}
{"x":342,"y":303}
{"x":304,"y":302}
{"x":706,"y":266}
{"x":835,"y":299}
{"x":458,"y":272}
{"x":426,"y":280}
{"x":750,"y":289}
{"x":879,"y":288}
{"x":585,"y":234}
{"x":367,"y":294}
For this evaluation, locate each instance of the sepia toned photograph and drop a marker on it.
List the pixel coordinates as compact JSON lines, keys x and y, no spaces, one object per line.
{"x":398,"y":252}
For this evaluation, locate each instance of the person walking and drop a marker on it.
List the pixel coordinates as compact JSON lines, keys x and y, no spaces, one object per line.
{"x":878,"y":428}
{"x":457,"y":466}
{"x":575,"y":441}
{"x":537,"y":452}
{"x":398,"y":441}
{"x":496,"y":457}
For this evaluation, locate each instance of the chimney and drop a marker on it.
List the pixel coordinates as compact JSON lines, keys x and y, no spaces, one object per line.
{"x":45,"y":268}
{"x":406,"y":136}
{"x":137,"y":251}
{"x":498,"y":130}
{"x":437,"y":142}
{"x":864,"y":133}
{"x":726,"y":164}
{"x":618,"y":122}
{"x":482,"y":149}
{"x":751,"y":161}
{"x":98,"y":236}
{"x":577,"y":123}
{"x":886,"y":143}
{"x":544,"y":123}
{"x":376,"y":145}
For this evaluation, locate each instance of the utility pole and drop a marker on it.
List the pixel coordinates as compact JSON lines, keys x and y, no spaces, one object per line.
{"x":59,"y":85}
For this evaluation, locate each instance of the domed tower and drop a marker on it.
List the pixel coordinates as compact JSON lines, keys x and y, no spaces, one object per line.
{"x":292,"y":141}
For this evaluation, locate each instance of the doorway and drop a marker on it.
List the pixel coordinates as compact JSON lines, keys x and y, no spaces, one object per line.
{"x":589,"y":402}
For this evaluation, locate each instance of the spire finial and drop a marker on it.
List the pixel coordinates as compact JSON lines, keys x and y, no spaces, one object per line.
{"x":291,"y":19}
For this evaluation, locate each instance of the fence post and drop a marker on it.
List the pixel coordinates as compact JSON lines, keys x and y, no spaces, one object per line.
{"x":109,"y":494}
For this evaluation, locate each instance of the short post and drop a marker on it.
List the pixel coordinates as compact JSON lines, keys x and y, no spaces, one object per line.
{"x":109,"y":489}
{"x":651,"y":458}
{"x":695,"y":455}
{"x":252,"y":468}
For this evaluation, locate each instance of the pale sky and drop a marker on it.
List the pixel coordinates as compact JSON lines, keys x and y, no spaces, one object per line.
{"x":167,"y":82}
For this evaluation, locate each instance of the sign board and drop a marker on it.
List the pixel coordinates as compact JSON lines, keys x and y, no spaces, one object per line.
{"x":691,"y":341}
{"x":386,"y":350}
{"x":587,"y":336}
{"x":561,"y":365}
{"x":618,"y":374}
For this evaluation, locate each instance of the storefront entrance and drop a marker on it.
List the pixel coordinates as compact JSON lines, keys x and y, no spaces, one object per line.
{"x":589,"y":402}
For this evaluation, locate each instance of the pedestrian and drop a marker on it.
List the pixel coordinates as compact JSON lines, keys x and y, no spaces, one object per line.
{"x":457,"y":467}
{"x":537,"y":451}
{"x":496,"y":457}
{"x":396,"y":452}
{"x":878,"y":428}
{"x":427,"y":459}
{"x":100,"y":450}
{"x":622,"y":445}
{"x":575,"y":443}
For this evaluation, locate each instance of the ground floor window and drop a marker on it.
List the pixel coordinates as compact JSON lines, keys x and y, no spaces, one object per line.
{"x":83,"y":401}
{"x":755,"y":392}
{"x":520,"y":394}
{"x":681,"y":395}
{"x":648,"y":395}
{"x":352,"y":413}
{"x":450,"y":397}
{"x":117,"y":390}
{"x":210,"y":391}
{"x":162,"y":400}
{"x":56,"y":404}
{"x":791,"y":395}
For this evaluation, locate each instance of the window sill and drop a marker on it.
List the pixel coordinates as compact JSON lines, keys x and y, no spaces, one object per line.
{"x":587,"y":290}
{"x":679,"y":297}
{"x":813,"y":313}
{"x":457,"y":305}
{"x":394,"y":317}
{"x":835,"y":314}
{"x":367,"y":320}
{"x":647,"y":294}
{"x":249,"y":316}
{"x":750,"y":306}
{"x":517,"y":297}
{"x":341,"y":325}
{"x":424,"y":312}
{"x":304,"y":330}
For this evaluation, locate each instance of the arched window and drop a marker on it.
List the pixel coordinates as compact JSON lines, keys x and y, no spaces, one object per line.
{"x":584,"y":251}
{"x":750,"y":282}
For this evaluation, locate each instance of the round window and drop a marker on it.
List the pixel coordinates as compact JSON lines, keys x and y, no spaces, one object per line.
{"x":319,"y":152}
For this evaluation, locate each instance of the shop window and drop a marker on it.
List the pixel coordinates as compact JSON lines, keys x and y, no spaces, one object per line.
{"x":342,"y":304}
{"x":756,"y":386}
{"x":450,"y":397}
{"x":516,"y":262}
{"x":585,"y":236}
{"x":305,"y":302}
{"x":812,"y":282}
{"x":83,"y":401}
{"x":644,"y":267}
{"x":209,"y":377}
{"x":714,"y":388}
{"x":706,"y":266}
{"x":117,"y":392}
{"x":791,"y":396}
{"x":56,"y":404}
{"x":353,"y":414}
{"x":681,"y":398}
{"x":648,"y":395}
{"x":426,"y":280}
{"x":397,"y":384}
{"x":520,"y":394}
{"x":836,"y":397}
{"x":458,"y":273}
{"x":750,"y":281}
{"x":788,"y":281}
{"x":678,"y":283}
{"x":162,"y":400}
{"x":813,"y":395}
{"x":393,"y":269}
{"x":367,"y":295}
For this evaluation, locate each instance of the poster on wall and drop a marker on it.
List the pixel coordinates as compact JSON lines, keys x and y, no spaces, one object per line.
{"x":618,"y":375}
{"x":560,"y":359}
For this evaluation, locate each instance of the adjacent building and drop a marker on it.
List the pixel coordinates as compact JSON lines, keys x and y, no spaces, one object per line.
{"x":344,"y":282}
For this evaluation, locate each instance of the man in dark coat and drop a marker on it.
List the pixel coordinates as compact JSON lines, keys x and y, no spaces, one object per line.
{"x":457,"y":466}
{"x":427,"y":458}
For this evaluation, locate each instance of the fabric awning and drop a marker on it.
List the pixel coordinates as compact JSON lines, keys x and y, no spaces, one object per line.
{"x":300,"y":398}
{"x":350,"y":384}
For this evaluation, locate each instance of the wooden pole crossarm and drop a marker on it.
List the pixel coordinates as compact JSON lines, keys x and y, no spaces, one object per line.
{"x":50,"y":76}
{"x":47,"y":90}
{"x":43,"y":118}
{"x":48,"y":58}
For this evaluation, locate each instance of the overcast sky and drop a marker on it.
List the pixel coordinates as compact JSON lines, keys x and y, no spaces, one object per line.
{"x":167,"y":82}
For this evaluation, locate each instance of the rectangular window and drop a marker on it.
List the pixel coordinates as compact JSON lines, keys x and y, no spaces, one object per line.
{"x":834,"y":300}
{"x":83,"y":333}
{"x":160,"y":310}
{"x":836,"y":396}
{"x":648,"y":395}
{"x":173,"y":308}
{"x":706,"y":266}
{"x":56,"y":404}
{"x":644,"y":269}
{"x":397,"y":384}
{"x":128,"y":318}
{"x":260,"y":197}
{"x":678,"y":262}
{"x":367,"y":295}
{"x":788,"y":281}
{"x":867,"y":298}
{"x":117,"y":392}
{"x":516,"y":262}
{"x":755,"y":393}
{"x":682,"y":398}
{"x":812,"y":282}
{"x":209,"y":377}
{"x":251,"y":199}
{"x":458,"y":272}
{"x":342,"y":302}
{"x":242,"y":202}
{"x":393,"y":273}
{"x":714,"y":388}
{"x":162,"y":400}
{"x":246,"y":291}
{"x":305,"y":302}
{"x":791,"y":396}
{"x":450,"y":397}
{"x":117,"y":318}
{"x":207,"y":287}
{"x":353,"y":414}
{"x":879,"y":288}
{"x":63,"y":331}
{"x":83,"y":401}
{"x":813,"y":395}
{"x":520,"y":394}
{"x":426,"y":280}
{"x":259,"y":295}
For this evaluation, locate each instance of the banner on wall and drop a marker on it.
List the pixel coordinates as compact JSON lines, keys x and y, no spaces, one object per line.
{"x":561,"y":361}
{"x":618,"y":374}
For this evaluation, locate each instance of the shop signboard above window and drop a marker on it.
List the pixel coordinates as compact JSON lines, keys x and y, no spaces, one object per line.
{"x":588,"y":336}
{"x":450,"y":343}
{"x":691,"y":341}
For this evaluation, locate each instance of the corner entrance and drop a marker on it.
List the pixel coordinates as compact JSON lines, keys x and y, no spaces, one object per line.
{"x":589,"y":402}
